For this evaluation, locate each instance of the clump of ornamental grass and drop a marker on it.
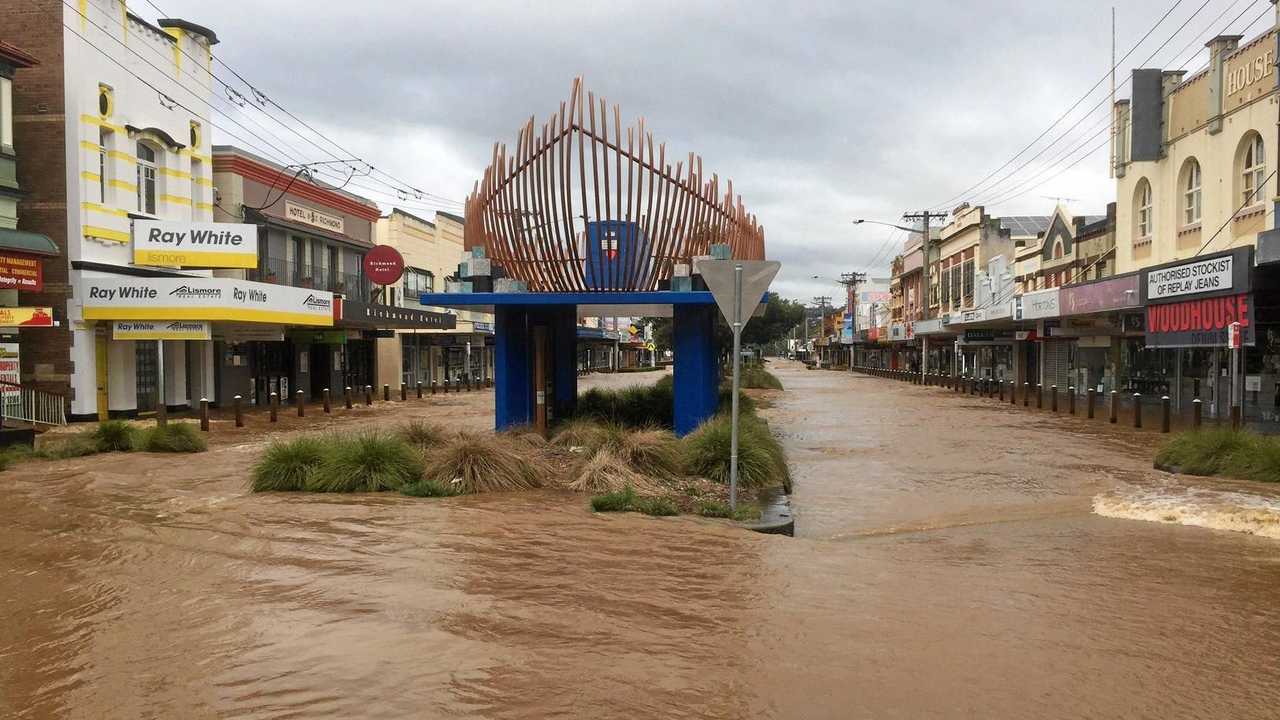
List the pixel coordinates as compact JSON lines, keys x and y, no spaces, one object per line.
{"x":421,"y":434}
{"x":582,"y":432}
{"x":72,"y":446}
{"x":653,"y":452}
{"x":628,"y":500}
{"x":715,"y":509}
{"x":761,"y":460}
{"x":171,"y":438}
{"x":1203,"y":452}
{"x":656,"y":506}
{"x":13,"y":455}
{"x":475,"y":464}
{"x":115,"y":436}
{"x":368,"y":462}
{"x":756,"y":377}
{"x":634,"y":406}
{"x":606,"y":472}
{"x":427,"y":488}
{"x":746,"y":405}
{"x":1259,"y":461}
{"x":286,"y":466}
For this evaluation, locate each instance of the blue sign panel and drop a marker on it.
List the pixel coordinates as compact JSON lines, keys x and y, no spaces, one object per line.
{"x":618,"y":253}
{"x":846,"y":333}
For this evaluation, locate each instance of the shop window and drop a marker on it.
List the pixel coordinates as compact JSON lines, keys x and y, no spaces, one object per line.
{"x":1190,"y":192}
{"x":1142,"y":212}
{"x":1253,"y":170}
{"x":148,"y":159}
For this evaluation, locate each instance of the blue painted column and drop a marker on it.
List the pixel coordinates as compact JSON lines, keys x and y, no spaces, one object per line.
{"x":697,"y":372}
{"x":512,"y":368}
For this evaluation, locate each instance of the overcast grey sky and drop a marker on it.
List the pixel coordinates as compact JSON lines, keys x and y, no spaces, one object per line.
{"x":819,"y":111}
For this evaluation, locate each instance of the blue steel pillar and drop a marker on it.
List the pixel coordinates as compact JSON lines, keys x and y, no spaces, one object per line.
{"x":697,"y":372}
{"x":513,"y":367}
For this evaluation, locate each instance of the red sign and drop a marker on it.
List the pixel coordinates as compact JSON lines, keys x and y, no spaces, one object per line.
{"x":1200,"y":323}
{"x":1235,"y":336}
{"x":21,"y":272}
{"x":383,"y":265}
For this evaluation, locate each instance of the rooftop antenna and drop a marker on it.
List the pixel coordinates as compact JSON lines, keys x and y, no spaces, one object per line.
{"x":1060,"y":200}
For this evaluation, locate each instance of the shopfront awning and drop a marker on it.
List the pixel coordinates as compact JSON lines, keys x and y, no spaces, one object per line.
{"x":27,"y":242}
{"x":365,"y":315}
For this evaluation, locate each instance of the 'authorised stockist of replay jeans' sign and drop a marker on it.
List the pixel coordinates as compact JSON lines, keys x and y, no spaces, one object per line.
{"x":1225,"y":273}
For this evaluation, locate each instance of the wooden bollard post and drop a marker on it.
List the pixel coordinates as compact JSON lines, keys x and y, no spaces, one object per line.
{"x":204,"y":414}
{"x":419,"y":389}
{"x":235,"y":403}
{"x":1165,"y":420}
{"x":1137,"y":410}
{"x":1071,"y":400}
{"x":346,"y":393}
{"x":1053,"y":397}
{"x":328,"y":407}
{"x":433,"y":387}
{"x":300,"y":399}
{"x":275,"y":405}
{"x":404,"y":392}
{"x":368,"y":395}
{"x":1026,"y":394}
{"x":1001,"y":389}
{"x":1039,"y":396}
{"x":1235,"y":417}
{"x":1090,"y":401}
{"x":1195,"y":413}
{"x":1115,"y":407}
{"x":386,"y":392}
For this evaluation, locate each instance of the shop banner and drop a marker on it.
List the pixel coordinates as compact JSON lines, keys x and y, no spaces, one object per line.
{"x":237,"y":334}
{"x":1199,"y":323}
{"x":161,"y":330}
{"x":1218,"y":275}
{"x":26,"y":317}
{"x":166,"y":243}
{"x":1039,"y":304}
{"x":10,"y":371}
{"x":1113,"y":294}
{"x":898,"y":332}
{"x":197,"y":298}
{"x":21,"y":272}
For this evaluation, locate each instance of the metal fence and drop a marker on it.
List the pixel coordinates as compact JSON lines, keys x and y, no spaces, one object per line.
{"x":28,"y":405}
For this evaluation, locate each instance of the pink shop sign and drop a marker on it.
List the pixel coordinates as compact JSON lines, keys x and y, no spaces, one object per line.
{"x":1112,"y":294}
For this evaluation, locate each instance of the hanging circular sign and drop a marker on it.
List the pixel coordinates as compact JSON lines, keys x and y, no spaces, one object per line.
{"x":383,"y":265}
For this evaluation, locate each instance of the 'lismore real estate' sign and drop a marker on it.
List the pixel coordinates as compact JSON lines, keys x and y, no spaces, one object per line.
{"x":165,"y":243}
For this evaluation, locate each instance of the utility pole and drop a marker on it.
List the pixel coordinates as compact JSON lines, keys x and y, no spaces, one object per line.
{"x":926,"y":247}
{"x":850,"y":281}
{"x":823,"y":302}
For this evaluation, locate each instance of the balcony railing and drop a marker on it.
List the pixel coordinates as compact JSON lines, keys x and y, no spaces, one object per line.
{"x":283,"y":272}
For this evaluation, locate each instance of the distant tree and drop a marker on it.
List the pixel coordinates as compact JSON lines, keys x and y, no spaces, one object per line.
{"x":780,"y":316}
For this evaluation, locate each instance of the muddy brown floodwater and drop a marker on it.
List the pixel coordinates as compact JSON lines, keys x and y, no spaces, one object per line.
{"x":956,"y":558}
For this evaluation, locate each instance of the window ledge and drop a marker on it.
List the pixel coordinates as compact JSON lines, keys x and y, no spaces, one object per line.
{"x":1251,"y":211}
{"x":1142,"y":241}
{"x":1189,"y":229}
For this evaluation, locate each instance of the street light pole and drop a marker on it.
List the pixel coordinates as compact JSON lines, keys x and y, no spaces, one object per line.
{"x":926,"y":246}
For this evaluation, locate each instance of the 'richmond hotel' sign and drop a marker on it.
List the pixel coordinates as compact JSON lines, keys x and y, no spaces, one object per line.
{"x":1192,"y":303}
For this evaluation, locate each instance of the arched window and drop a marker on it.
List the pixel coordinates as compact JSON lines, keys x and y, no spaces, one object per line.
{"x":146,"y":179}
{"x":1057,"y":250}
{"x":1143,"y":214}
{"x":1253,"y":170}
{"x":1190,"y":185}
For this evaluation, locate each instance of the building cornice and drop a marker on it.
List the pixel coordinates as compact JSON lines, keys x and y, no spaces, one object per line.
{"x":253,"y":170}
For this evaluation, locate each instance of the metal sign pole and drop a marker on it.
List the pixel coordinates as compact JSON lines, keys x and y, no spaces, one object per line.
{"x":737,"y":362}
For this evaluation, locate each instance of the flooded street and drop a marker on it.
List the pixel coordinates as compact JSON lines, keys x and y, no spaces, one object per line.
{"x":954,"y":558}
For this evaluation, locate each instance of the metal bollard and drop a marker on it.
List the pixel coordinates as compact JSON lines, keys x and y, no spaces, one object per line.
{"x":204,"y":414}
{"x":1137,"y":410}
{"x":347,"y":395}
{"x":1115,"y":406}
{"x":1039,"y":396}
{"x":1092,"y":394}
{"x":386,"y":392}
{"x":1053,"y":397}
{"x":1164,"y":414}
{"x":275,"y":404}
{"x":235,"y":403}
{"x":300,"y":399}
{"x":446,"y":386}
{"x":1195,"y":413}
{"x":1013,"y":393}
{"x":368,"y":395}
{"x":419,"y":389}
{"x":1026,"y":394}
{"x":328,"y":407}
{"x":1071,"y":400}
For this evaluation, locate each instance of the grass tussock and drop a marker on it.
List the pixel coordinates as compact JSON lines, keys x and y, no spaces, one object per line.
{"x":757,"y":378}
{"x":421,"y":434}
{"x":286,"y":466}
{"x":1222,"y":451}
{"x":474,"y":464}
{"x":761,"y":460}
{"x":428,"y":489}
{"x":65,"y":448}
{"x":636,"y":406}
{"x":172,"y":438}
{"x":607,"y":472}
{"x":115,"y":436}
{"x":371,"y":462}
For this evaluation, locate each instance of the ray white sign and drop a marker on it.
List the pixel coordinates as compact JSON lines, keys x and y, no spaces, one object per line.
{"x":196,"y":298}
{"x":165,"y":243}
{"x":161,"y":330}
